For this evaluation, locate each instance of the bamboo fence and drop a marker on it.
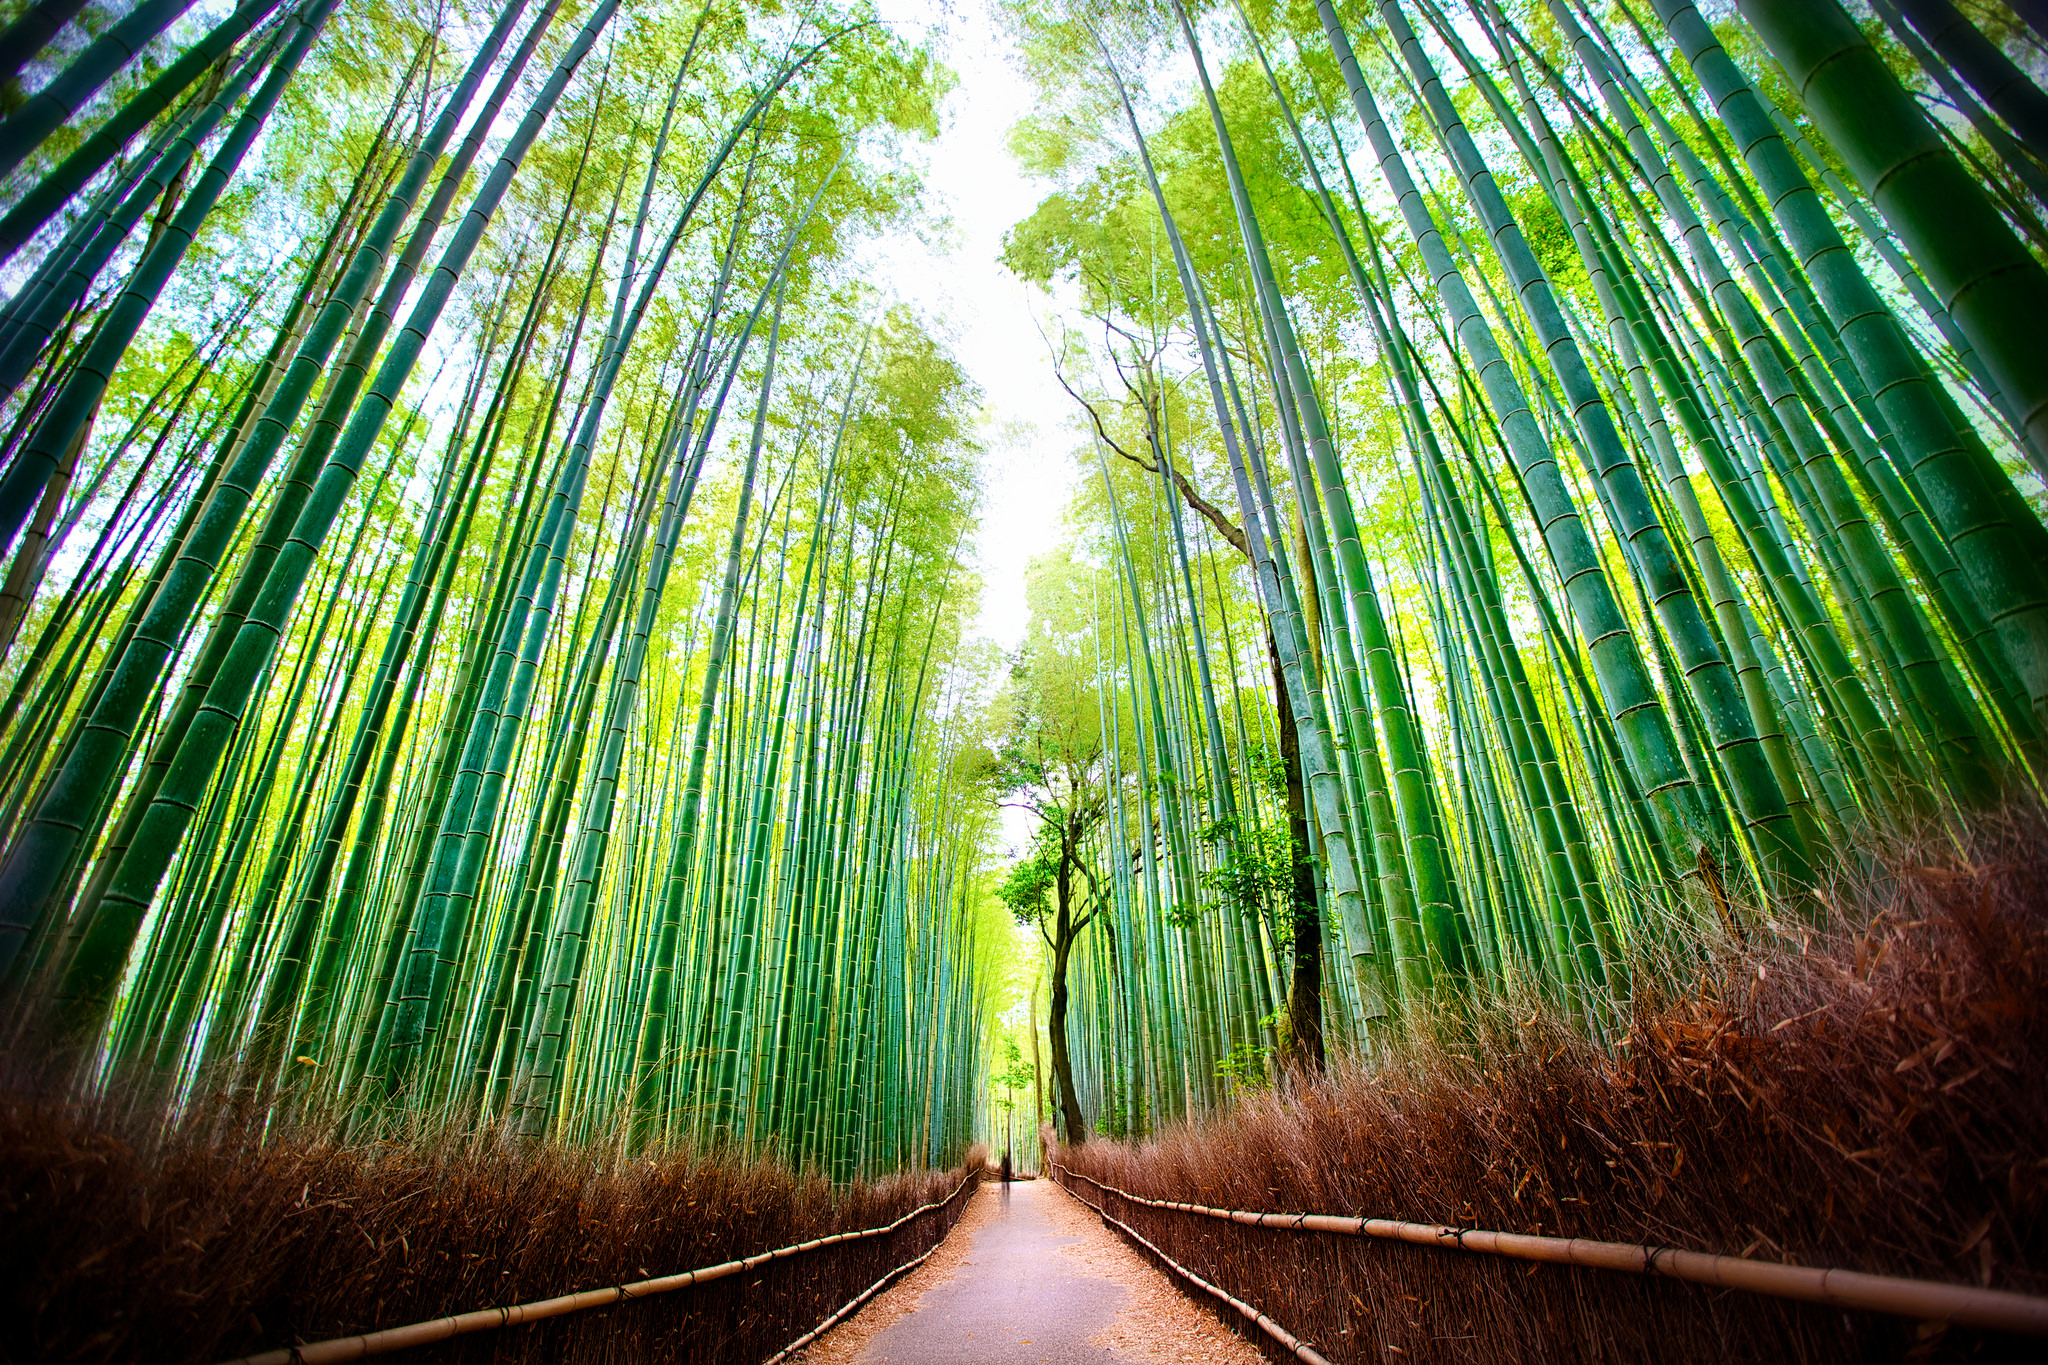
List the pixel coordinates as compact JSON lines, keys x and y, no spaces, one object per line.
{"x":1926,"y":1300}
{"x":490,"y":1319}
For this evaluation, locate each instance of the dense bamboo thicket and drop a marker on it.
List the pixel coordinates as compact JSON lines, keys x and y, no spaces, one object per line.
{"x":1560,"y":475}
{"x":484,"y":639}
{"x":484,"y":590}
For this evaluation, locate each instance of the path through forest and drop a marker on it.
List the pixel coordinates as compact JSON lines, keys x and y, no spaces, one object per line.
{"x":1030,"y":1277}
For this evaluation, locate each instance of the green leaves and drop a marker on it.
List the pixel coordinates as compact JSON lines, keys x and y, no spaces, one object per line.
{"x":1587,"y":497}
{"x":437,"y":830}
{"x":1254,"y":879}
{"x":1028,"y":886}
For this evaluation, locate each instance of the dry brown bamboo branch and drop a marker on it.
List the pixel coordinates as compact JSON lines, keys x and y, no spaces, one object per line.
{"x":487,"y":1319}
{"x":1926,"y":1300}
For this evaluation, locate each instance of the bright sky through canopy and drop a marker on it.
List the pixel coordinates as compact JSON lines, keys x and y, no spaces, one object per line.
{"x":960,"y":285}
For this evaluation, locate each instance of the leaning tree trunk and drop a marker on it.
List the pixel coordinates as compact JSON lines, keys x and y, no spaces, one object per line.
{"x":1305,"y":987}
{"x":1073,"y":1129}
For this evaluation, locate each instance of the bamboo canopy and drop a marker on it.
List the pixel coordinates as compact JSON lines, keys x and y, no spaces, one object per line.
{"x":487,"y":627}
{"x":1549,"y":490}
{"x":487,"y":581}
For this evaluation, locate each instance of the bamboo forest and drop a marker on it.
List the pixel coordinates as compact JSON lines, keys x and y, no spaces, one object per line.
{"x":649,"y":634}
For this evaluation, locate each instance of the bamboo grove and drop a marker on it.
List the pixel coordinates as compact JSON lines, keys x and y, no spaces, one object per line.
{"x":484,"y":590}
{"x":1556,"y":471}
{"x":483,"y":638}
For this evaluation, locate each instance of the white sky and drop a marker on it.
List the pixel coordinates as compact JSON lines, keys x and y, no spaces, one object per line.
{"x":984,"y":312}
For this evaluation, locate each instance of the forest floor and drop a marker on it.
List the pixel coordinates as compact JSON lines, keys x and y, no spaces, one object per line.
{"x":1031,"y":1277}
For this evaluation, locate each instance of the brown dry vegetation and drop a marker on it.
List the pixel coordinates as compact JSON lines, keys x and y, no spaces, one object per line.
{"x":117,"y":1244}
{"x":1872,"y":1094}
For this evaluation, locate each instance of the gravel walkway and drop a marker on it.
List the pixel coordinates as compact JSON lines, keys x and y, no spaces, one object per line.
{"x":1031,"y":1277}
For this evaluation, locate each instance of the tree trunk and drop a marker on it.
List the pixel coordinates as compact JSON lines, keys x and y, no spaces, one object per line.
{"x":1073,"y":1128}
{"x":1303,"y":1046}
{"x":1037,"y":1079}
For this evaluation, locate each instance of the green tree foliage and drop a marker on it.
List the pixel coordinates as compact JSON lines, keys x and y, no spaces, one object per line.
{"x":486,"y":595}
{"x":482,"y":629}
{"x":1631,"y":528}
{"x":1051,"y":763}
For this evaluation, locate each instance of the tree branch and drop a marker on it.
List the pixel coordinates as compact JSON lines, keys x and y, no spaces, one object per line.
{"x":1207,"y":510}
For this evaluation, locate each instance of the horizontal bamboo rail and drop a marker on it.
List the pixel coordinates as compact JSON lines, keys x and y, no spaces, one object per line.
{"x":489,"y":1319}
{"x":1927,"y":1300}
{"x":1300,"y":1349}
{"x":859,"y":1299}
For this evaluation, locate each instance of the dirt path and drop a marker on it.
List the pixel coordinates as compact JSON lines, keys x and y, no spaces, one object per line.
{"x":1030,"y":1277}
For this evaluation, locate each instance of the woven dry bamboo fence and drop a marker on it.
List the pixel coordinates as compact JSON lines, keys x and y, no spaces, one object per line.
{"x":1212,"y":1249}
{"x":799,"y":1293}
